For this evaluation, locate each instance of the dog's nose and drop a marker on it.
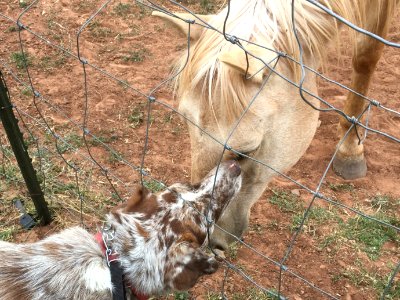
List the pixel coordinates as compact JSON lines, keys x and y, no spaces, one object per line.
{"x":234,"y":167}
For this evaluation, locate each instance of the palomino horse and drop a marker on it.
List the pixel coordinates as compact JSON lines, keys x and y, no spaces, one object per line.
{"x":219,"y":81}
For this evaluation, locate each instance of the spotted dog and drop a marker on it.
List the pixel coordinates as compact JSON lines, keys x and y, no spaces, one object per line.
{"x":157,"y":240}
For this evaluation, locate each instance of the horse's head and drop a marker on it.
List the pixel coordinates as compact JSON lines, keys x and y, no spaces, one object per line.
{"x":230,"y":94}
{"x":218,"y":82}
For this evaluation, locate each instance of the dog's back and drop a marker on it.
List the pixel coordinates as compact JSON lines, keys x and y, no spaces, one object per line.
{"x":59,"y":267}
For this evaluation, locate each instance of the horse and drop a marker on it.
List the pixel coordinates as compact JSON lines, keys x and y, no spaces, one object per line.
{"x":220,"y":78}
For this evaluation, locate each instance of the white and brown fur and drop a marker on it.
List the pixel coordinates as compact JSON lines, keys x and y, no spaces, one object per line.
{"x":158,"y":238}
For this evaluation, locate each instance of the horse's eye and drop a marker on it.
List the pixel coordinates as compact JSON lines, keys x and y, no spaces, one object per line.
{"x":244,"y":155}
{"x":231,"y":155}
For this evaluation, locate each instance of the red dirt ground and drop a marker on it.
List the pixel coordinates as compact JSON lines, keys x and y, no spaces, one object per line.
{"x":140,"y":50}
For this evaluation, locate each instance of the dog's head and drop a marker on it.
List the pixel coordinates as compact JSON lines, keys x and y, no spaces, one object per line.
{"x":160,"y":237}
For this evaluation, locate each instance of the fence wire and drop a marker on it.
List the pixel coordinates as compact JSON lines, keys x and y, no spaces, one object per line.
{"x":43,"y":107}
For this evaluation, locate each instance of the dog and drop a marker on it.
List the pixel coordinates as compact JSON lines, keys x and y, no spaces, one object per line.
{"x":156,"y":240}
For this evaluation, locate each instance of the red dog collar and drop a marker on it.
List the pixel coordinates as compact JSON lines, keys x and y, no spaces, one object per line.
{"x":113,"y":257}
{"x":100,"y":241}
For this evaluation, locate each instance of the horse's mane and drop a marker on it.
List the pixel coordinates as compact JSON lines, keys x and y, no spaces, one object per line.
{"x":265,"y":22}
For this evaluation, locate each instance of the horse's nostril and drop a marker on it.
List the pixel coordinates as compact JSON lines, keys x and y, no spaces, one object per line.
{"x":234,"y":167}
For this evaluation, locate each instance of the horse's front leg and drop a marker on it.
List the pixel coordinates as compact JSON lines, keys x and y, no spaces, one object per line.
{"x":350,"y":162}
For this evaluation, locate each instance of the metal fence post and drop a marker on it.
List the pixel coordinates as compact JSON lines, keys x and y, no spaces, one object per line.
{"x":14,"y":135}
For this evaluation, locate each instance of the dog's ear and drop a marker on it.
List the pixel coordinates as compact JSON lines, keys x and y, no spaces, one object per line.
{"x":141,"y":201}
{"x":194,"y":263}
{"x":138,"y":195}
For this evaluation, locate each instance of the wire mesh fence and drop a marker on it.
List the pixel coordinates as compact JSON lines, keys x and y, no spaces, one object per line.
{"x":90,"y":81}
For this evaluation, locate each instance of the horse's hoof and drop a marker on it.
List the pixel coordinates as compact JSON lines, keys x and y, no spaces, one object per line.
{"x":350,"y":168}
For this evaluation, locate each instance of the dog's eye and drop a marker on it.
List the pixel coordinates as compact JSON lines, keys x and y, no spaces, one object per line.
{"x":196,"y":186}
{"x":189,"y":238}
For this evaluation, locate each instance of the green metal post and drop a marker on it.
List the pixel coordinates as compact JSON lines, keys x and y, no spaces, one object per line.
{"x":14,"y":135}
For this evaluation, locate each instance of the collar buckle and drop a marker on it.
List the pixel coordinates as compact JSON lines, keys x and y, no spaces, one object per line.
{"x":108,"y":235}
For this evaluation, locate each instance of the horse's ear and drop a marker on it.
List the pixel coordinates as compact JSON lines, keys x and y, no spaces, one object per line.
{"x":236,"y":58}
{"x":195,"y":30}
